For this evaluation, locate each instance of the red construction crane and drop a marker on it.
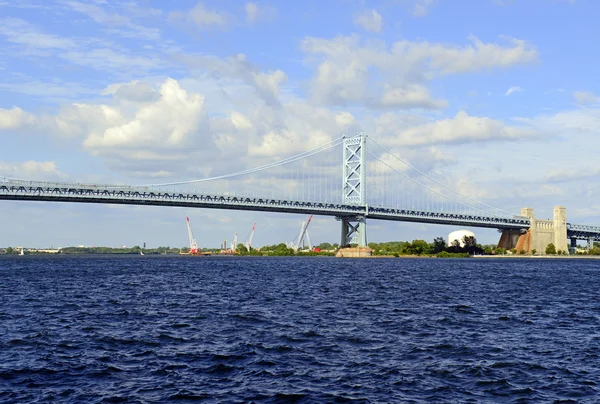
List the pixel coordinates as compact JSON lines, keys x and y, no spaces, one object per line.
{"x":249,"y":242}
{"x":193,"y":244}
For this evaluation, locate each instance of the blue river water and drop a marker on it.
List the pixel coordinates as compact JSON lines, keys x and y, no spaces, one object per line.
{"x":229,"y":329}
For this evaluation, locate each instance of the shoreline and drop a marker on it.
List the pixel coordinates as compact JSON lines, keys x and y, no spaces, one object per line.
{"x":560,"y":257}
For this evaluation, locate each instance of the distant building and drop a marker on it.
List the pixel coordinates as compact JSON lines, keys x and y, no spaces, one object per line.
{"x":459,"y":236}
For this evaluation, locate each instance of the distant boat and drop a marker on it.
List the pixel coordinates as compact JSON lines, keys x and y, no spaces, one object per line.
{"x":141,"y":252}
{"x":22,"y":252}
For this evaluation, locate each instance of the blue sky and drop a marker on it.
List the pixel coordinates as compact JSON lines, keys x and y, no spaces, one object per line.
{"x":497,"y":97}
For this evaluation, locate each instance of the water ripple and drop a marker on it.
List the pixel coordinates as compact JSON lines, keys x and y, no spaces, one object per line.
{"x":161,"y":329}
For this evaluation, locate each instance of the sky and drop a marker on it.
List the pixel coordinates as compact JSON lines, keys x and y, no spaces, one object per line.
{"x":498,"y":97}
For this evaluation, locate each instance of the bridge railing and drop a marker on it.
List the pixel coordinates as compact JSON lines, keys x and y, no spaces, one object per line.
{"x":55,"y":184}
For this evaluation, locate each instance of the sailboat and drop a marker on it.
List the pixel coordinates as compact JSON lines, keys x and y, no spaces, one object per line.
{"x":22,"y":252}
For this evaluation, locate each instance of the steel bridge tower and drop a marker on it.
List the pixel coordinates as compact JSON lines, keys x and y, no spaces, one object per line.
{"x":354,"y":190}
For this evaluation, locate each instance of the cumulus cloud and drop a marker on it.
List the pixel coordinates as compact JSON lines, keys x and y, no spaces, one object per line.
{"x":586,"y":97}
{"x":512,"y":90}
{"x":16,"y":118}
{"x":168,"y":122}
{"x":369,"y":20}
{"x":239,"y":68}
{"x":351,"y":71}
{"x":463,"y":128}
{"x":39,"y":170}
{"x":166,"y":131}
{"x":136,"y":91}
{"x":256,"y":13}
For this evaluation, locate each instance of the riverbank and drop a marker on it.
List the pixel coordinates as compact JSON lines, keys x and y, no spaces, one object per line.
{"x":559,"y":257}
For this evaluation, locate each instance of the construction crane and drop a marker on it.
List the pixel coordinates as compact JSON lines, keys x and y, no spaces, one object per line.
{"x":298,"y":241}
{"x":193,"y":244}
{"x":234,"y":244}
{"x":249,"y":242}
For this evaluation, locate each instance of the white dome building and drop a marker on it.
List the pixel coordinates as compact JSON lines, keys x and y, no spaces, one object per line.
{"x":459,"y":235}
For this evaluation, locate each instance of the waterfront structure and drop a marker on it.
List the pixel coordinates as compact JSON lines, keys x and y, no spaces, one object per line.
{"x":459,"y":235}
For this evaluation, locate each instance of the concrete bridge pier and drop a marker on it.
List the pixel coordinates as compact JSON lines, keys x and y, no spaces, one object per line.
{"x":353,"y":242}
{"x":540,"y":233}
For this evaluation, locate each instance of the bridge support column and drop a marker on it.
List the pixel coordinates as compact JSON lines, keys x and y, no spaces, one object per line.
{"x":590,"y":244}
{"x":573,"y":246}
{"x":354,"y":192}
{"x":354,"y":231}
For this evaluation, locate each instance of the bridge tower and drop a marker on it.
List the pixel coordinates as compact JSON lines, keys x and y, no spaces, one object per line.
{"x":354,"y":189}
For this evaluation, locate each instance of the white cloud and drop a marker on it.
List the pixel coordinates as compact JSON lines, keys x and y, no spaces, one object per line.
{"x":89,"y":52}
{"x":256,"y":13}
{"x":136,"y":91}
{"x":352,"y":71}
{"x":573,"y":173}
{"x":369,"y":20}
{"x":513,"y":90}
{"x":201,"y":17}
{"x":113,"y":61}
{"x":23,"y":33}
{"x":567,"y":123}
{"x":167,"y":131}
{"x":463,"y":128}
{"x":114,"y":20}
{"x":166,"y":123}
{"x":297,"y":127}
{"x":38,"y":170}
{"x":238,"y":68}
{"x":412,"y":97}
{"x":54,"y":90}
{"x":15,"y":118}
{"x":586,"y":97}
{"x":422,"y":7}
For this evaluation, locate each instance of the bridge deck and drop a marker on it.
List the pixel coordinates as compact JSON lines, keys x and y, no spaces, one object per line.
{"x":86,"y":193}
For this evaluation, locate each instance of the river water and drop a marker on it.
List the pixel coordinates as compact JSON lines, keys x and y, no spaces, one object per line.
{"x":154,"y":329}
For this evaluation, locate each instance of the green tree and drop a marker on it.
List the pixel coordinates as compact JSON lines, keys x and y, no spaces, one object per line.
{"x":522,"y":252}
{"x":418,"y":247}
{"x":325,"y":246}
{"x":594,"y":251}
{"x":439,"y":245}
{"x":550,"y":249}
{"x":533,"y":251}
{"x":10,"y":250}
{"x":242,"y":250}
{"x":469,"y":242}
{"x":513,"y":250}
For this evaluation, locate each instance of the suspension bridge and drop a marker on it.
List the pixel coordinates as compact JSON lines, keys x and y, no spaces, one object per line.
{"x":374,"y":184}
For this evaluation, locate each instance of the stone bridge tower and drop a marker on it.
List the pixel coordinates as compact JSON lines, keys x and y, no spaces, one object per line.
{"x":540,"y":233}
